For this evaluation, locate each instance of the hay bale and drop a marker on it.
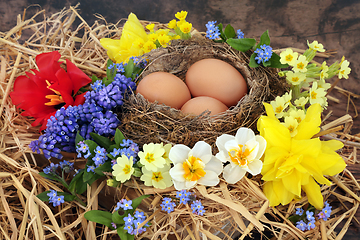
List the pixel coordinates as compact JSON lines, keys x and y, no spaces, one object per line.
{"x":146,"y":122}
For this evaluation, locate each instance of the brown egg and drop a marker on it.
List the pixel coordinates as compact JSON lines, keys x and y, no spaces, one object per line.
{"x":164,"y":88}
{"x":217,"y":79}
{"x":198,"y":105}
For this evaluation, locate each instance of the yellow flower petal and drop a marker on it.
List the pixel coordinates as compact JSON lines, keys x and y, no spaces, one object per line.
{"x":313,"y":193}
{"x":310,"y":125}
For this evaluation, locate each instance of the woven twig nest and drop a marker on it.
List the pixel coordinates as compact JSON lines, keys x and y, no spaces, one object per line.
{"x":146,"y":122}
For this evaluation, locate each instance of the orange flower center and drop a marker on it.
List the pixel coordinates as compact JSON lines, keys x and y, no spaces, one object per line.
{"x":127,"y":169}
{"x":240,"y":157}
{"x":54,"y":99}
{"x":194,"y":169}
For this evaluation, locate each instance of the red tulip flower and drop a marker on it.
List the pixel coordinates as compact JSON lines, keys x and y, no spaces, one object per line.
{"x":41,"y":94}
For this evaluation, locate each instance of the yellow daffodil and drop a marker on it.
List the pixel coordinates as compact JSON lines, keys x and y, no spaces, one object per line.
{"x":293,"y":164}
{"x":288,"y":57}
{"x":181,"y":15}
{"x":159,"y":178}
{"x":152,"y":156}
{"x":316,"y":46}
{"x":123,"y":169}
{"x":344,"y":69}
{"x":243,"y":151}
{"x":172,"y":24}
{"x":295,"y":78}
{"x":194,"y":166}
{"x":121,"y":50}
{"x":300,"y":64}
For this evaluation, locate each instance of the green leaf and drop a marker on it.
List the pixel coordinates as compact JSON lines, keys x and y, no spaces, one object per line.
{"x":78,"y":177}
{"x":119,"y":137}
{"x":242,"y":44}
{"x":110,"y":73}
{"x":253,"y":62}
{"x":122,"y":233}
{"x":220,"y":26}
{"x":275,"y":61}
{"x":136,"y":202}
{"x":67,"y":196}
{"x":43,"y":196}
{"x":80,"y":185}
{"x":229,"y":31}
{"x":106,"y":167}
{"x":267,"y":63}
{"x":98,"y":216}
{"x":92,"y":146}
{"x":117,"y":218}
{"x":94,"y":78}
{"x":265,"y":39}
{"x":129,"y":68}
{"x":101,"y":140}
{"x":50,"y":176}
{"x":78,"y":138}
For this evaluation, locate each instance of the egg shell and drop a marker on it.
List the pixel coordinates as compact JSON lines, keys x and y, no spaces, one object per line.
{"x":218,"y":79}
{"x":198,"y":105}
{"x":164,"y":88}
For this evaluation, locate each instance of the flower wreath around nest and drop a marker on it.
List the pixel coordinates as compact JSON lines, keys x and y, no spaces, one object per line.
{"x":192,"y":167}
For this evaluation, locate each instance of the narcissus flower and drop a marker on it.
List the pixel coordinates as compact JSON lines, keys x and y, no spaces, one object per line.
{"x":194,"y":166}
{"x":243,"y":151}
{"x":121,"y":50}
{"x":41,"y":94}
{"x":292,"y":164}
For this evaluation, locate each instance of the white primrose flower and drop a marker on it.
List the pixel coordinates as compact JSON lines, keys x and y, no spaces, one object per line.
{"x":243,"y":152}
{"x":194,"y":166}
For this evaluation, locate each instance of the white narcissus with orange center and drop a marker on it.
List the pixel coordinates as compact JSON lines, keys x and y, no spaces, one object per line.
{"x":243,"y":151}
{"x":194,"y":166}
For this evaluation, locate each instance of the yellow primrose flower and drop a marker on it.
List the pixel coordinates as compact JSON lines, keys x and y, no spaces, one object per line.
{"x":123,"y":169}
{"x":300,"y":64}
{"x":148,"y":46}
{"x":194,"y":166}
{"x":297,"y":114}
{"x":288,"y":57}
{"x":164,"y":40}
{"x":324,"y":85}
{"x":151,"y":156}
{"x":186,"y":27}
{"x":159,"y":179}
{"x":167,"y":148}
{"x":295,"y":78}
{"x":344,"y":70}
{"x":291,"y":123}
{"x":293,"y":164}
{"x":172,"y":24}
{"x":162,"y":32}
{"x":317,"y":95}
{"x":316,"y":46}
{"x":152,"y":37}
{"x":150,"y":27}
{"x":243,"y":151}
{"x":279,"y":105}
{"x":121,"y":50}
{"x":181,"y":15}
{"x":301,"y":102}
